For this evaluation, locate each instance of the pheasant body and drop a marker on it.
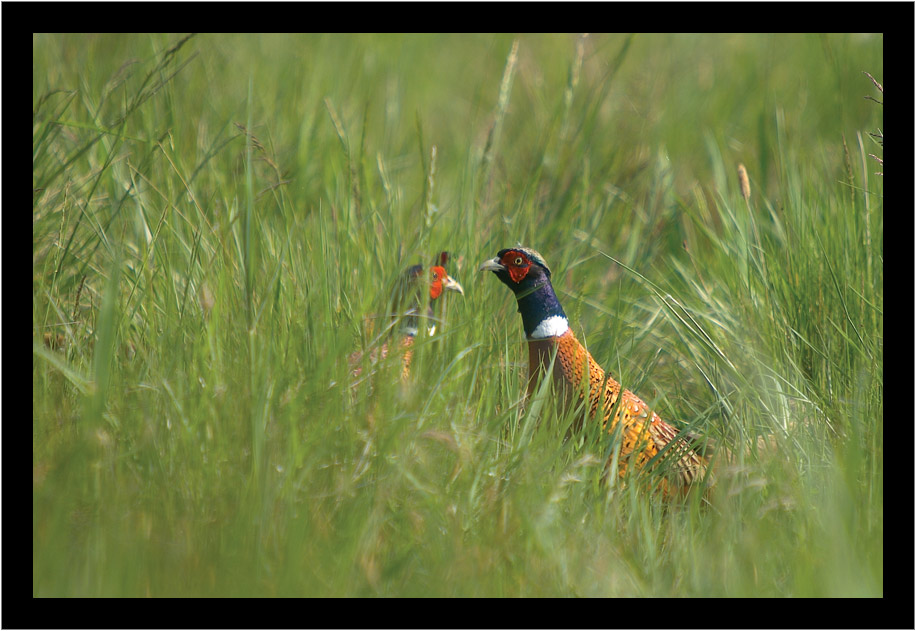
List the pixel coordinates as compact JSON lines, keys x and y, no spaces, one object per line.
{"x":405,"y":306}
{"x":645,"y":439}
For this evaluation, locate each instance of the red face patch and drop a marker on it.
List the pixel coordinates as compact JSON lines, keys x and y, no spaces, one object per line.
{"x":436,"y":275}
{"x":517,"y":264}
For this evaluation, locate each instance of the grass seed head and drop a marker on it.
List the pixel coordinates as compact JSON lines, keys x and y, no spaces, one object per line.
{"x":744,"y":182}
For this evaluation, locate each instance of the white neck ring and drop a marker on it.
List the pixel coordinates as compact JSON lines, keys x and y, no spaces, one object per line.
{"x":553,"y":326}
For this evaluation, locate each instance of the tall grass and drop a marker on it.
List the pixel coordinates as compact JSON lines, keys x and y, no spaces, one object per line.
{"x":218,"y":220}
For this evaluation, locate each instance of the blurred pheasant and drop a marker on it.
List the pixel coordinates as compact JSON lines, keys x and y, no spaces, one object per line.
{"x":645,"y":438}
{"x":406,"y":304}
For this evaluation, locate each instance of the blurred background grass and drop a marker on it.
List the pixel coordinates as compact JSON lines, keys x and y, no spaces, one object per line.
{"x":217,"y":218}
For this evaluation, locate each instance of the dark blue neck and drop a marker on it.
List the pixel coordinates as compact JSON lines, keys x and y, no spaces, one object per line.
{"x":537,"y":302}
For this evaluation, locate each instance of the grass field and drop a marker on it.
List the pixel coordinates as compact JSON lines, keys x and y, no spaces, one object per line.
{"x":217,"y":219}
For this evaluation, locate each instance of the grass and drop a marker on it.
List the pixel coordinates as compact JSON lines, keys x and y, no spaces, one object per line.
{"x":217,"y":218}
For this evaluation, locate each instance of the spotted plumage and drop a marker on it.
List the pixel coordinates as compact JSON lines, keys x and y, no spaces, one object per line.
{"x":645,"y":439}
{"x":405,"y":315}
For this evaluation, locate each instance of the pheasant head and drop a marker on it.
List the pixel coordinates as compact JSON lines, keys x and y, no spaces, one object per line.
{"x":526,"y":273}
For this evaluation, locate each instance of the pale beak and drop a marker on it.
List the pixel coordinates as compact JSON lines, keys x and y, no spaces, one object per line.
{"x":450,"y":283}
{"x":491,"y":265}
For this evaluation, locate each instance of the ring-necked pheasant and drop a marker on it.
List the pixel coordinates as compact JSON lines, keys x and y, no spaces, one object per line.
{"x":645,"y":438}
{"x":406,"y":302}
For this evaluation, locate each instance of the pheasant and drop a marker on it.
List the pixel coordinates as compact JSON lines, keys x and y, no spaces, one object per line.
{"x":405,"y":305}
{"x":646,"y":440}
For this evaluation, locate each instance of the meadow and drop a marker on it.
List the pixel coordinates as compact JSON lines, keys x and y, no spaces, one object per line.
{"x":217,"y":223}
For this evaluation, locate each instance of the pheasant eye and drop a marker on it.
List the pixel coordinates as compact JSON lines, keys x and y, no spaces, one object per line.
{"x":518,"y":260}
